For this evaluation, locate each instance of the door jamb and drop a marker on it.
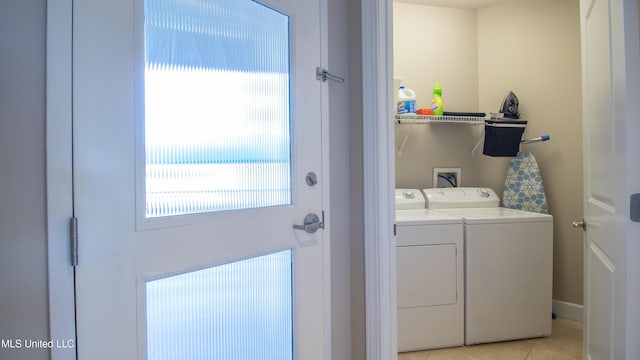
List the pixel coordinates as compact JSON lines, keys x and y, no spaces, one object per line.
{"x":59,"y":178}
{"x":379,"y":175}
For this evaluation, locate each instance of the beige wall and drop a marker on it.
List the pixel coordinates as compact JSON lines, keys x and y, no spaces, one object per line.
{"x":531,"y":47}
{"x":436,"y":45}
{"x":543,"y":67}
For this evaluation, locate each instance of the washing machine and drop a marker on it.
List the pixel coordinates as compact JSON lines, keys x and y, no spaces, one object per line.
{"x":430,"y":278}
{"x":508,"y":265}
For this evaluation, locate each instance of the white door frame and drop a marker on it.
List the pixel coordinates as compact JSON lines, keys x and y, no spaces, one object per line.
{"x":379,"y":180}
{"x":631,"y":31}
{"x":59,"y":177}
{"x":632,"y":36}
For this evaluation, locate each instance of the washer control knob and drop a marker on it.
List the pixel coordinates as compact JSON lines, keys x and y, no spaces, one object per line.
{"x":483,"y":192}
{"x":408,"y":194}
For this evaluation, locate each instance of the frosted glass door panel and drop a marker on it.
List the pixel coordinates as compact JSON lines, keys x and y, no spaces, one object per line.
{"x":239,"y":311}
{"x":217,"y":106}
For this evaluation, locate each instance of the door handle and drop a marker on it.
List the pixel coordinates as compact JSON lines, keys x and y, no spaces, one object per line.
{"x":311,"y":224}
{"x":580,"y":224}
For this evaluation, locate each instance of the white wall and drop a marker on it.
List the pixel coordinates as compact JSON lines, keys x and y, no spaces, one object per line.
{"x":339,"y":216}
{"x":356,"y":181}
{"x":531,"y":47}
{"x":23,"y":257}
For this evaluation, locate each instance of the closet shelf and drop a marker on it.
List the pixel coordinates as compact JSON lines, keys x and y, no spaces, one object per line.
{"x":445,"y":119}
{"x":412,"y":119}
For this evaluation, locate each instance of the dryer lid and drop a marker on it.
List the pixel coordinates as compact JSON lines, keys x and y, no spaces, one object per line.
{"x":469,"y":197}
{"x":407,"y":199}
{"x":425,"y":217}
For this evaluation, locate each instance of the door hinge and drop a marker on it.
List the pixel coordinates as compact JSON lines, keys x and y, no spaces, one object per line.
{"x":324,"y":75}
{"x":395,"y":233}
{"x":322,"y":223}
{"x":73,"y":240}
{"x":634,"y":208}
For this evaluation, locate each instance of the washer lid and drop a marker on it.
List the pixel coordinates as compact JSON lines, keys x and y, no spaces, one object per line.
{"x":469,"y":197}
{"x":409,"y":199}
{"x":496,"y":215}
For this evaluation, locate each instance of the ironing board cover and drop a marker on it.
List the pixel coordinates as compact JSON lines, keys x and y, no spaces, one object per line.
{"x":523,"y":188}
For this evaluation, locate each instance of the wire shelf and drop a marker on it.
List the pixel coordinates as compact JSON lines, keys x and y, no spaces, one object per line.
{"x":445,"y":119}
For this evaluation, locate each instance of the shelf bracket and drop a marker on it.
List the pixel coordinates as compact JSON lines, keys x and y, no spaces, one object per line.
{"x":406,"y":137}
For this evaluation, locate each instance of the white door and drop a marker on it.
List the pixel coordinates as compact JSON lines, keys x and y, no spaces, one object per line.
{"x":610,"y":95}
{"x":196,"y":124}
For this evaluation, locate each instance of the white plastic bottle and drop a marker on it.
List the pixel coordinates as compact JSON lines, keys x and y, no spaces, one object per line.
{"x":406,"y":101}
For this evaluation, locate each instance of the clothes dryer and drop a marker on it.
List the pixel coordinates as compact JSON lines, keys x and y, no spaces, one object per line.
{"x":508,"y":265}
{"x":429,"y":275}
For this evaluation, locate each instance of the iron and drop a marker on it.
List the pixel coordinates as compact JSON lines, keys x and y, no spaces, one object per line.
{"x":509,"y":107}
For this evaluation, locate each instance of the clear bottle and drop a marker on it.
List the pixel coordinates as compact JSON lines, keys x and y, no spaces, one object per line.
{"x":436,"y":102}
{"x":406,"y":101}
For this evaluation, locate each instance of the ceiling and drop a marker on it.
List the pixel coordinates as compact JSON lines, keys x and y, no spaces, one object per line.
{"x":460,"y":4}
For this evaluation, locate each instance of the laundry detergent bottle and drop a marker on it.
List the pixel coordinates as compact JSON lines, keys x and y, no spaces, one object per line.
{"x":406,"y":101}
{"x":436,"y":103}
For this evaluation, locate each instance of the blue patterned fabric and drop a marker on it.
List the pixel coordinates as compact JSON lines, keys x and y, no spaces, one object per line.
{"x":523,"y":188}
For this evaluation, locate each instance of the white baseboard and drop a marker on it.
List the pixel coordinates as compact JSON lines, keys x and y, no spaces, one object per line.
{"x":567,"y":310}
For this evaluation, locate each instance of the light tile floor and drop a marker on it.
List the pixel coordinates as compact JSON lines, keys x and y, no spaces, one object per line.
{"x":565,"y":343}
